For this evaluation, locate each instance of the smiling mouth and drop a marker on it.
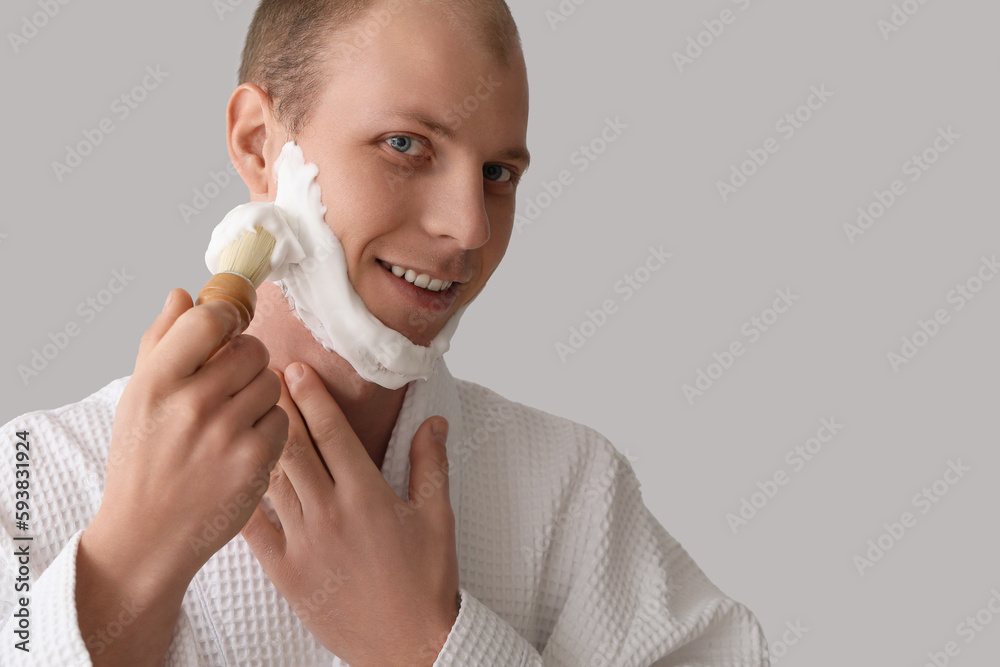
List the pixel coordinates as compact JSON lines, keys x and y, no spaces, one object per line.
{"x":422,"y":280}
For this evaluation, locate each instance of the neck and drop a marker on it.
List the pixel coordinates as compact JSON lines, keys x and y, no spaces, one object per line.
{"x":371,"y":409}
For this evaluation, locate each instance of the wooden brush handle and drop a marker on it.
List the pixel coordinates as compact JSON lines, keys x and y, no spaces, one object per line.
{"x":235,"y":289}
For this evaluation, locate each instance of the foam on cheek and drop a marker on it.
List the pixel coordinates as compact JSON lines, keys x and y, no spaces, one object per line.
{"x":310,"y":268}
{"x":246,"y":218}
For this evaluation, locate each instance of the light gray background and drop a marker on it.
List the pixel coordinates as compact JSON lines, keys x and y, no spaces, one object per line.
{"x":656,"y":185}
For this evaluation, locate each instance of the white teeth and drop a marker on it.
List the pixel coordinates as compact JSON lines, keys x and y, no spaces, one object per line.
{"x":421,"y":280}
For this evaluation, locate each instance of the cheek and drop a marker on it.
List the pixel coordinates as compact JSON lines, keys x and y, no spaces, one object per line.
{"x":357,"y":209}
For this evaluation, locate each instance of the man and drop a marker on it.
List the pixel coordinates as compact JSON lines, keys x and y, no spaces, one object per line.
{"x":435,"y":523}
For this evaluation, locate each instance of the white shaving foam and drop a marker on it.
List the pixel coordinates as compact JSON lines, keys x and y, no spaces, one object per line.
{"x":310,"y":267}
{"x":246,"y":218}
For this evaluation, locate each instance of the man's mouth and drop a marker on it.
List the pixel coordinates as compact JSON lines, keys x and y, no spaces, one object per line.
{"x":422,"y":280}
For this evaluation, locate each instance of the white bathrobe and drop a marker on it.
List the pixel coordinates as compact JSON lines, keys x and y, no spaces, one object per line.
{"x":560,"y":562}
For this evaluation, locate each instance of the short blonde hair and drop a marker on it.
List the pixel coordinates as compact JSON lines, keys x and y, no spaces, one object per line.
{"x":290,"y":43}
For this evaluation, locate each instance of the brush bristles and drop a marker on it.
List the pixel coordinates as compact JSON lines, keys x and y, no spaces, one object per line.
{"x":249,"y":256}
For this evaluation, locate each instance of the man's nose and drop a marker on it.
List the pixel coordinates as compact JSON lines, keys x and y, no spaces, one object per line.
{"x":457,"y":209}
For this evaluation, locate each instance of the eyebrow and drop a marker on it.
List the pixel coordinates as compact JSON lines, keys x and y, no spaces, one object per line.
{"x":516,"y":153}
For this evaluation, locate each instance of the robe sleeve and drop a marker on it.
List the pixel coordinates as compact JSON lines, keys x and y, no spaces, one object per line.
{"x":52,"y":631}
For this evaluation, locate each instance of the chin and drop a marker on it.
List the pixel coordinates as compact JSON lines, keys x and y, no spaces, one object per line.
{"x":419,"y":333}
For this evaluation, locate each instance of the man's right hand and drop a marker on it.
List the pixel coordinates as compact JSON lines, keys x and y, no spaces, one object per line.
{"x":194,"y":439}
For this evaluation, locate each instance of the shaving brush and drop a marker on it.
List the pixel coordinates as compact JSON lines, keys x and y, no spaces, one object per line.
{"x":243,"y":267}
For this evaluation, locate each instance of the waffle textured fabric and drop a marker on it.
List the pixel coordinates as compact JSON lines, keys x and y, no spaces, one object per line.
{"x":560,"y":562}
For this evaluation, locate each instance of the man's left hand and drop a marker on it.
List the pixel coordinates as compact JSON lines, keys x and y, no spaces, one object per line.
{"x":374,"y":578}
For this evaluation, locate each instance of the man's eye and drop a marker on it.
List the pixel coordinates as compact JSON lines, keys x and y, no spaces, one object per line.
{"x":407,"y":145}
{"x":495,"y":172}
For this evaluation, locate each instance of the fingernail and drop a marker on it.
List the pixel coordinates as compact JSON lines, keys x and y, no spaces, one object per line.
{"x":170,"y":298}
{"x":294,"y":373}
{"x":440,"y":429}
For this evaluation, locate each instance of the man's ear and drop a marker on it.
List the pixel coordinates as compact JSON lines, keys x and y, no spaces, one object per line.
{"x":255,"y":138}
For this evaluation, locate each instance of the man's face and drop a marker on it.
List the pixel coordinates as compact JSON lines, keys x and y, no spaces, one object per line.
{"x":400,"y":193}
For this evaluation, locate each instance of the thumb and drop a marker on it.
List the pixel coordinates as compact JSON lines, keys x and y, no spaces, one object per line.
{"x":178,"y":302}
{"x":429,"y":463}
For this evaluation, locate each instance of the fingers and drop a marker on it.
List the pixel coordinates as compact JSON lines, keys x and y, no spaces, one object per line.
{"x":285,"y":500}
{"x":345,"y":457}
{"x":266,"y":541}
{"x":429,"y":464}
{"x":178,"y":302}
{"x":273,"y":429}
{"x":301,"y":462}
{"x":256,"y":398}
{"x":191,"y":339}
{"x":238,"y":363}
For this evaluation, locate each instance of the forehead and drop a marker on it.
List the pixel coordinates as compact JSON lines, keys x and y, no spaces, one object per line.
{"x":408,"y":56}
